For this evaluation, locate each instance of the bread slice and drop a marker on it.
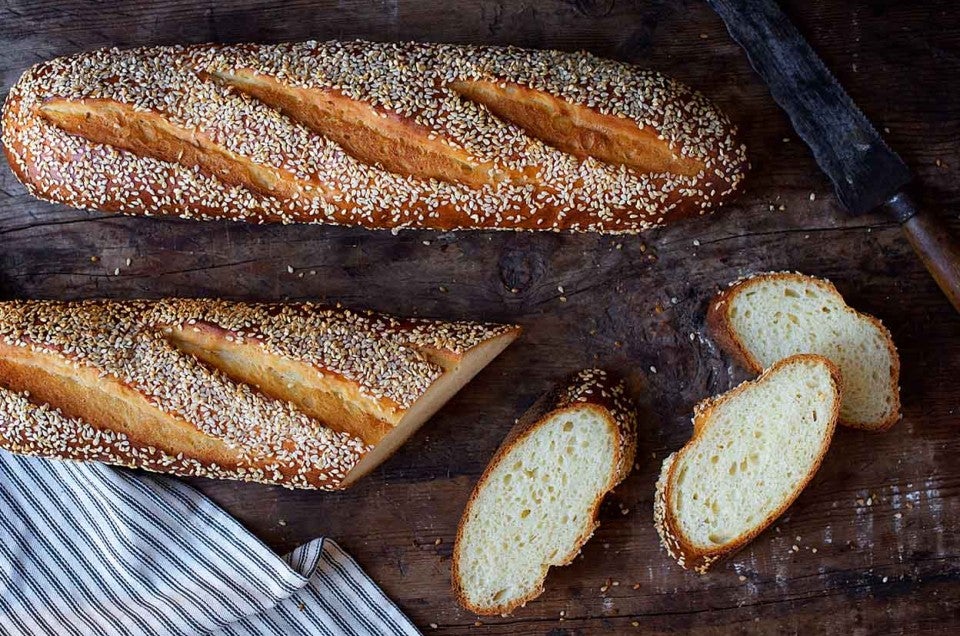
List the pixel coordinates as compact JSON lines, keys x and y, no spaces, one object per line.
{"x":753,"y":450}
{"x":767,"y":317}
{"x":536,"y":503}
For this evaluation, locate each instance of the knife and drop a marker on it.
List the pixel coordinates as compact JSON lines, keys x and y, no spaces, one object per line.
{"x":865,"y":172}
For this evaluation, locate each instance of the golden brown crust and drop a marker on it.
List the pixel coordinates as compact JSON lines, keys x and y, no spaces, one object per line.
{"x":688,"y":555}
{"x":719,"y":325}
{"x":578,"y":130}
{"x":191,"y":386}
{"x":370,"y":134}
{"x":593,"y":389}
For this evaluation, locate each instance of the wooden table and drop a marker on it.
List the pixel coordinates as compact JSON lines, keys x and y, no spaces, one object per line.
{"x":871,"y":546}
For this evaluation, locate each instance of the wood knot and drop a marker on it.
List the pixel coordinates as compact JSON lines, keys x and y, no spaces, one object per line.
{"x":594,"y":8}
{"x":521,"y":265}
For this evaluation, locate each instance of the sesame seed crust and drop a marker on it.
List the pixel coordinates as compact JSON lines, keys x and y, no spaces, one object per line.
{"x":589,"y":386}
{"x":597,"y":386}
{"x":125,"y":345}
{"x":407,"y":83}
{"x":43,"y":431}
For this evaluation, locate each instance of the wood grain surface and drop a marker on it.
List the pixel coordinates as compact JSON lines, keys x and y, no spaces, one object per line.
{"x":871,"y":546}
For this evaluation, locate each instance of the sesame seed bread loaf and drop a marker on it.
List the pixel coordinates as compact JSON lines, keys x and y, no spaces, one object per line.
{"x":753,"y":451}
{"x":536,"y":503}
{"x":767,"y":317}
{"x":377,"y":135}
{"x":290,"y":394}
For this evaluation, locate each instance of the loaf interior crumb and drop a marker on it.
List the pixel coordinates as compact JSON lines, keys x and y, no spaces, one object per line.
{"x":536,"y":507}
{"x":779,"y":316}
{"x":752,"y":454}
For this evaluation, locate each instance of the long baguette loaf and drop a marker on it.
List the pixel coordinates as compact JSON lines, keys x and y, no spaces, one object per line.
{"x":289,"y":394}
{"x":536,"y":504}
{"x":376,"y":135}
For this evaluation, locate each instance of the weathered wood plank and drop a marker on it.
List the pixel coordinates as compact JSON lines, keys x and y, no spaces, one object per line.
{"x":631,"y":304}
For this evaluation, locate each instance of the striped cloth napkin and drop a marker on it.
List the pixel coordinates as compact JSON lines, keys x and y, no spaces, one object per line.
{"x":89,"y":549}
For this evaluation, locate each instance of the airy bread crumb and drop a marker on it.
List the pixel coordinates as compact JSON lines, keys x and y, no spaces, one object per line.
{"x":536,"y":504}
{"x":753,"y":450}
{"x":768,"y":317}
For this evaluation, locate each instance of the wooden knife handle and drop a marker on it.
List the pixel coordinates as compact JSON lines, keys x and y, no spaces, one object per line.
{"x":932,"y":241}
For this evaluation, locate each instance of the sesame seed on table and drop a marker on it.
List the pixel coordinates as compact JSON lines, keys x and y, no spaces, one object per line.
{"x":898,"y":62}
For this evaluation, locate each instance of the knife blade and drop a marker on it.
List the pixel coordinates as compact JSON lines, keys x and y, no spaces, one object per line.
{"x":865,"y":172}
{"x":863,"y":169}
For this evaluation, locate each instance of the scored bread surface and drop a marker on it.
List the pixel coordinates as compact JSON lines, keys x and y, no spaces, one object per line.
{"x":126,"y":362}
{"x":591,"y":397}
{"x":803,"y":314}
{"x":380,"y":135}
{"x":701,"y":554}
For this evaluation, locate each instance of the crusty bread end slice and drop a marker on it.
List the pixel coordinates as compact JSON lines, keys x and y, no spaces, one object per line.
{"x":536,"y":503}
{"x":753,"y":451}
{"x":767,"y":317}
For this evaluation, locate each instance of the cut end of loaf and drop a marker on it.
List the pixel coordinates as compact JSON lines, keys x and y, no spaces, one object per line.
{"x":455,"y":376}
{"x":768,"y":317}
{"x":753,"y":451}
{"x":536,"y":504}
{"x":328,"y":397}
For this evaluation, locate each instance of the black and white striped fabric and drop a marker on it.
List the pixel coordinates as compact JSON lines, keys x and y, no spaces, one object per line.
{"x":88,"y":549}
